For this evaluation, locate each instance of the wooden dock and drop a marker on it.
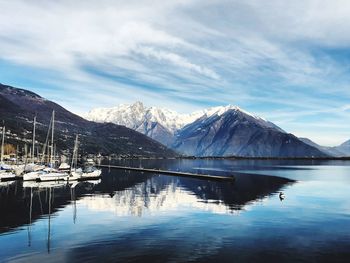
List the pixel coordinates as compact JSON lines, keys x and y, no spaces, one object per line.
{"x":172,"y":173}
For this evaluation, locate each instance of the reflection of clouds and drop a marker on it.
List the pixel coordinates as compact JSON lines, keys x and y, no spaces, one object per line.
{"x":316,"y":195}
{"x":141,"y":200}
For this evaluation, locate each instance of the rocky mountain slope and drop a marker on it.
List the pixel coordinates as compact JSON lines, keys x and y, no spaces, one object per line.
{"x":344,"y":148}
{"x":219,"y":131}
{"x":236,"y":133}
{"x":19,"y":106}
{"x":336,"y":151}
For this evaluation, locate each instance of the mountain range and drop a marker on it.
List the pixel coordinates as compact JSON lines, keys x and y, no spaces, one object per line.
{"x":137,"y":130}
{"x":18,"y":108}
{"x":218,"y":131}
{"x":337,"y":151}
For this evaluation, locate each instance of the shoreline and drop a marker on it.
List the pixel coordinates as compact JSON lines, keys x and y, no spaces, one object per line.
{"x":229,"y":158}
{"x":269,"y":158}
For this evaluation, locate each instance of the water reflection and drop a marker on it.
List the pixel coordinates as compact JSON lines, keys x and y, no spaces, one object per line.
{"x":164,"y":193}
{"x":131,"y":193}
{"x":138,"y":217}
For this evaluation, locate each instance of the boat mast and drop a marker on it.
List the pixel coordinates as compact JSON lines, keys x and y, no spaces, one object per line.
{"x":2,"y":144}
{"x":33,"y":147}
{"x":76,"y":153}
{"x":46,"y":144}
{"x":54,"y":153}
{"x":52,"y":133}
{"x":26,"y":155}
{"x":17,"y":154}
{"x":74,"y":156}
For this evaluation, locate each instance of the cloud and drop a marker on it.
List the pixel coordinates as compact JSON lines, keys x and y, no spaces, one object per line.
{"x":345,"y":107}
{"x":285,"y":59}
{"x":177,"y":60}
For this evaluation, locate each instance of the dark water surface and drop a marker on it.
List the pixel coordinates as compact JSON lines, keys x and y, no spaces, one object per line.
{"x":136,"y":217}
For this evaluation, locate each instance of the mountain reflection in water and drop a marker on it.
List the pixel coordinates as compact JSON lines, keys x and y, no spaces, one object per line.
{"x":142,"y":217}
{"x":132,"y":193}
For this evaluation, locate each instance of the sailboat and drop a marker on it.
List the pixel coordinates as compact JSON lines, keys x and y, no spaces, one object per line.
{"x":90,"y":172}
{"x":77,"y":172}
{"x":5,"y":170}
{"x":50,"y":173}
{"x":32,"y":170}
{"x":32,"y":166}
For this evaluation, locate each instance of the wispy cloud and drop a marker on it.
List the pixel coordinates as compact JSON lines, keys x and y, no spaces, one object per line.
{"x":288,"y":60}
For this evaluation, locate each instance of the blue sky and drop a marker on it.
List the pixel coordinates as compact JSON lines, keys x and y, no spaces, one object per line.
{"x":286,"y":61}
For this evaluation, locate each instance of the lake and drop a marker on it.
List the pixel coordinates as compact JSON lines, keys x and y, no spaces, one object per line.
{"x":142,"y":217}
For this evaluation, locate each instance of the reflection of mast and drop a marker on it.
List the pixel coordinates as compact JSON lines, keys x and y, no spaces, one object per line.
{"x":41,"y":204}
{"x":74,"y":202}
{"x":30,"y":218}
{"x":49,"y":228}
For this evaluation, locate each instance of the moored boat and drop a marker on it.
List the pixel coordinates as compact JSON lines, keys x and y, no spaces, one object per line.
{"x":7,"y":175}
{"x":88,"y":173}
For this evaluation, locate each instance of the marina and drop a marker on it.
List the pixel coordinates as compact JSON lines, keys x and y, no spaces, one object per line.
{"x":45,"y":168}
{"x":42,"y":173}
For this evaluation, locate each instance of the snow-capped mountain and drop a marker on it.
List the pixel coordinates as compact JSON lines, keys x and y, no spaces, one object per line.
{"x":135,"y":116}
{"x":159,"y":123}
{"x":218,"y":131}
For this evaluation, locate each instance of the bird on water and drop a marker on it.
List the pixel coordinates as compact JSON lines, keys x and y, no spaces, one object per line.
{"x":281,"y":196}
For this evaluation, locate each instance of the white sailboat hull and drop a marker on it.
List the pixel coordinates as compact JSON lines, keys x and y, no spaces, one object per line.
{"x":74,"y":176}
{"x":83,"y":176}
{"x":53,"y":176}
{"x":95,"y":173}
{"x":31,"y":176}
{"x":46,"y":184}
{"x":32,"y":167}
{"x":7,"y":176}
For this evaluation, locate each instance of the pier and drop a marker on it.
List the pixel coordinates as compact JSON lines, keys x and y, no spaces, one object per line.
{"x":172,"y":173}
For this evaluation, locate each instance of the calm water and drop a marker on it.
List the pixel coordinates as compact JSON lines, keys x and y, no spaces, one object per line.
{"x":135,"y":217}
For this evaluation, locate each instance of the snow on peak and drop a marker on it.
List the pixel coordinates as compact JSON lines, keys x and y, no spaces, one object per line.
{"x":220,"y":110}
{"x":136,"y":115}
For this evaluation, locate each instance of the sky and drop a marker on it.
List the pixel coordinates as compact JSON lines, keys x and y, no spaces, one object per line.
{"x":286,"y":61}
